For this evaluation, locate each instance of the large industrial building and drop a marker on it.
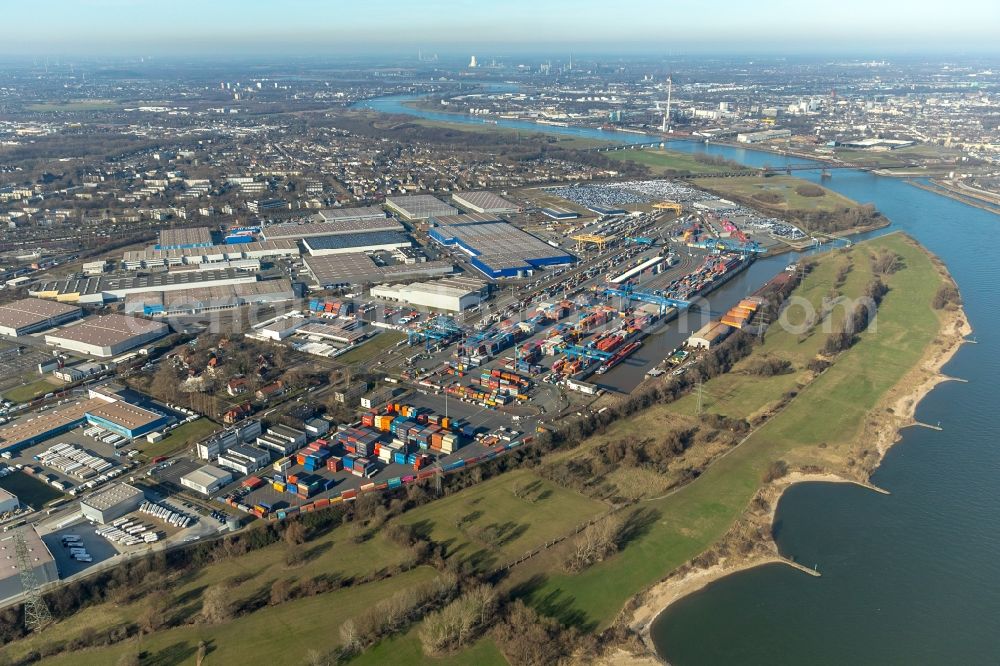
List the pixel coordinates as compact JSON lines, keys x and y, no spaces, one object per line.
{"x":232,"y":254}
{"x":31,"y":315}
{"x":207,"y":479}
{"x":103,"y":409}
{"x":345,"y":270}
{"x":107,"y":335}
{"x":8,"y":501}
{"x":98,"y":290}
{"x":498,"y":249}
{"x":419,"y":206}
{"x":209,"y":299}
{"x":454,"y":294}
{"x":484,"y":202}
{"x":335,"y":221}
{"x":42,"y":563}
{"x":178,"y":239}
{"x":371,"y":241}
{"x":112,"y":502}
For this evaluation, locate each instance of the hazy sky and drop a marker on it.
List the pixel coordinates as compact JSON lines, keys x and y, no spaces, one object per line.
{"x":493,"y":26}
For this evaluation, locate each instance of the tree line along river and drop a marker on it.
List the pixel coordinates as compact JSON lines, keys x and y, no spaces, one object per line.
{"x":907,"y":578}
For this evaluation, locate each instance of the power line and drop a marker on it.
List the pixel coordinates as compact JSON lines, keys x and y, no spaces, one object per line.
{"x":36,"y":612}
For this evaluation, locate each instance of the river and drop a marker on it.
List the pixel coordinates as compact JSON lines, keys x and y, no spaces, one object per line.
{"x":907,"y":578}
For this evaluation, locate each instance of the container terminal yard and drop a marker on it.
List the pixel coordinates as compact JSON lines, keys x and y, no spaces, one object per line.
{"x":473,"y":330}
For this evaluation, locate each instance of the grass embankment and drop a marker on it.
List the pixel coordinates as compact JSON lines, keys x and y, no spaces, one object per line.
{"x":282,"y":634}
{"x":293,"y":627}
{"x":777,"y":192}
{"x":180,"y":438}
{"x":366,"y":351}
{"x":500,"y":519}
{"x":819,"y":427}
{"x":665,"y":162}
{"x":30,"y":391}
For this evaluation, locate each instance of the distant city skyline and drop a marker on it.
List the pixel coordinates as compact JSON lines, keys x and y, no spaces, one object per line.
{"x":242,"y":27}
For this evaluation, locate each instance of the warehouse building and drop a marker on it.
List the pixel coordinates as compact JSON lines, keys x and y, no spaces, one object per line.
{"x":31,"y":315}
{"x":454,"y":294}
{"x":214,"y":256}
{"x":709,"y":335}
{"x":484,"y":202}
{"x":344,"y":270}
{"x":333,"y":222}
{"x":119,"y":416}
{"x":463,"y":218}
{"x":207,"y":479}
{"x":98,"y":290}
{"x":112,"y":502}
{"x":209,"y":299}
{"x":419,"y":206}
{"x":8,"y":501}
{"x":108,"y":335}
{"x":500,"y":250}
{"x":42,"y":563}
{"x":179,"y":239}
{"x":372,"y":241}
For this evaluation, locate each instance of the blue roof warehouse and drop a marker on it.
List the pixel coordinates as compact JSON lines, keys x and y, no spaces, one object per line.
{"x":496,"y":248}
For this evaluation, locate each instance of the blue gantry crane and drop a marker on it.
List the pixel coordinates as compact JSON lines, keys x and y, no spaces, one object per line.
{"x":628,"y":293}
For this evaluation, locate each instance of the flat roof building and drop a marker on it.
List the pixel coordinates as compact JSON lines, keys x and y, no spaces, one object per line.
{"x":498,"y":249}
{"x":176,"y":239}
{"x":333,"y":222}
{"x":107,"y":335}
{"x":98,"y":290}
{"x":39,"y":555}
{"x":344,"y":270}
{"x":373,"y":241}
{"x":151,"y":257}
{"x":209,"y":299}
{"x":207,"y":479}
{"x":484,"y":202}
{"x":419,"y":206}
{"x":31,"y":315}
{"x":454,"y":294}
{"x":112,"y":502}
{"x":8,"y":501}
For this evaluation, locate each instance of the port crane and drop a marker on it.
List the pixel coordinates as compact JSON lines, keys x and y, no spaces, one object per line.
{"x":576,"y":351}
{"x":627,"y":293}
{"x":437,"y":329}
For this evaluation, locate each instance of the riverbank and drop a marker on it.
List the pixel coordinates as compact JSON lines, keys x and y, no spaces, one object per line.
{"x":749,"y":543}
{"x":958,"y":195}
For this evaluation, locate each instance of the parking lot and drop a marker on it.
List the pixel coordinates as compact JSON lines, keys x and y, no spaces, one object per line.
{"x":96,"y":447}
{"x":98,"y":548}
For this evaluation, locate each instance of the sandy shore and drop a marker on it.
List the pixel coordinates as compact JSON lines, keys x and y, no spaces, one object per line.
{"x":894,"y":412}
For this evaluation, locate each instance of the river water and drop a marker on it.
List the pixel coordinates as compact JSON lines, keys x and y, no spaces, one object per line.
{"x":907,"y":578}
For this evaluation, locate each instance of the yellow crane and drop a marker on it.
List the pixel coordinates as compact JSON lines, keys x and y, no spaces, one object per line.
{"x":669,"y":205}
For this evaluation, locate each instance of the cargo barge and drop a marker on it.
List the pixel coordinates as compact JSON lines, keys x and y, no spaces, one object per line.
{"x":623,"y":354}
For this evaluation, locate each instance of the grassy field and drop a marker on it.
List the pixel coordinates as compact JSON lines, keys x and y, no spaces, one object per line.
{"x":379,"y":343}
{"x":281,"y":634}
{"x":406,"y":649}
{"x":180,"y":438}
{"x":30,"y":391}
{"x":783,"y":186}
{"x":78,"y":105}
{"x":489,"y":524}
{"x":822,"y":420}
{"x":28,"y":490}
{"x":663,"y":161}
